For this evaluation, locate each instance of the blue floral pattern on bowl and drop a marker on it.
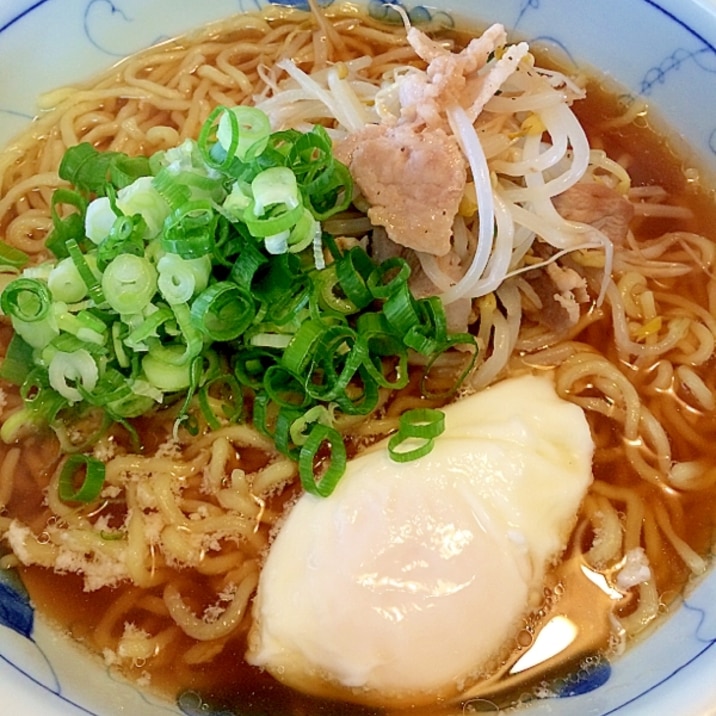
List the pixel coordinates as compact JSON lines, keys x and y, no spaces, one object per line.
{"x":659,"y":51}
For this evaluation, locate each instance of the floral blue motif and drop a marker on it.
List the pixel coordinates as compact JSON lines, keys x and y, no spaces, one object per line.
{"x":594,"y":672}
{"x":384,"y":11}
{"x":704,"y":57}
{"x":525,"y":7}
{"x":106,"y":20}
{"x":15,"y":609}
{"x":100,"y":7}
{"x":673,"y":63}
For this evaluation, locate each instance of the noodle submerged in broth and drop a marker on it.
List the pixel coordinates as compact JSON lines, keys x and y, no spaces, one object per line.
{"x":567,"y":252}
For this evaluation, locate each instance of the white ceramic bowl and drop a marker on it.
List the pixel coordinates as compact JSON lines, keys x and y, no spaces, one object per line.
{"x":664,"y":50}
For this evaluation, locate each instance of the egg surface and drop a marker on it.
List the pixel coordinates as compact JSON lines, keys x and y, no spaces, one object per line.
{"x":406,"y":583}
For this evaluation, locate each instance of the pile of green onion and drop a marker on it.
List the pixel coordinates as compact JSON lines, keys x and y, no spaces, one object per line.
{"x":204,"y":269}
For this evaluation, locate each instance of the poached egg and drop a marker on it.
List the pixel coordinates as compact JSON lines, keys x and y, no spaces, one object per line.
{"x":408,"y":582}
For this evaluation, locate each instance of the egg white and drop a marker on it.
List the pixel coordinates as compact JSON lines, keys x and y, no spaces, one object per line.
{"x":408,"y":581}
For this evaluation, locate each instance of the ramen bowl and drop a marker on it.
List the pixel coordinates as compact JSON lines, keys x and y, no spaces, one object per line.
{"x":662,"y":52}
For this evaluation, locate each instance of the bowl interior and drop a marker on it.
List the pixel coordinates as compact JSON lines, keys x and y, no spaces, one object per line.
{"x":662,"y":52}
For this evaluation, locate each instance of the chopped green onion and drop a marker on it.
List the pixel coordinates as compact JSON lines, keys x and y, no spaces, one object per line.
{"x":352,"y":272}
{"x":26,"y":299}
{"x":216,"y":155}
{"x":83,"y":325}
{"x":65,"y":282}
{"x":190,"y":230}
{"x":471,"y":353}
{"x":243,"y":131}
{"x":94,"y":171}
{"x":417,"y":431}
{"x":388,"y":276}
{"x":188,"y":345}
{"x":281,"y":432}
{"x":360,"y":398}
{"x":331,"y":192}
{"x":129,"y":283}
{"x":301,"y":350}
{"x":167,"y":371}
{"x":10,"y":256}
{"x":125,"y":236}
{"x":18,"y":421}
{"x":223,"y":311}
{"x":271,"y":340}
{"x":17,"y":362}
{"x":381,"y":344}
{"x":41,"y":402}
{"x":84,"y":268}
{"x":250,"y":366}
{"x":304,"y":233}
{"x":330,"y":292}
{"x":37,"y":333}
{"x":146,"y":328}
{"x":230,"y":400}
{"x":92,"y":480}
{"x":400,"y":309}
{"x":274,"y":186}
{"x":201,"y":273}
{"x":279,"y":218}
{"x":322,"y":414}
{"x":247,"y":264}
{"x":173,"y":190}
{"x":425,"y":423}
{"x":119,"y":334}
{"x":285,"y":388}
{"x":68,"y":372}
{"x":320,"y":437}
{"x":69,"y":227}
{"x":99,"y":218}
{"x":403,"y":448}
{"x":180,"y":279}
{"x":338,"y":356}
